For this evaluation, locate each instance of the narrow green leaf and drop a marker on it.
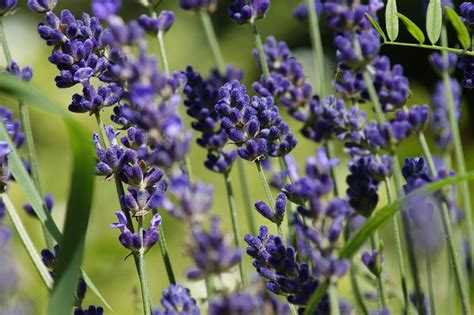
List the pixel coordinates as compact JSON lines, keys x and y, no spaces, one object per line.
{"x":75,"y":226}
{"x":461,"y":29}
{"x":27,"y":242}
{"x":376,"y":26}
{"x":391,"y":20}
{"x":20,"y":90}
{"x":414,"y":30}
{"x":372,"y":224}
{"x":434,"y":20}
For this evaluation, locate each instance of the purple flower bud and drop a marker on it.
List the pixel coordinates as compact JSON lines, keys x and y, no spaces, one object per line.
{"x":280,"y":205}
{"x":177,"y":300}
{"x":166,"y":20}
{"x":198,"y":5}
{"x":42,"y":6}
{"x":264,"y":210}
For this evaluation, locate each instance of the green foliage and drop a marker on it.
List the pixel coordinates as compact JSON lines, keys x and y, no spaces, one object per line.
{"x":81,"y":183}
{"x":414,"y":30}
{"x":434,"y":20}
{"x":391,"y":20}
{"x":461,"y":29}
{"x":376,"y":26}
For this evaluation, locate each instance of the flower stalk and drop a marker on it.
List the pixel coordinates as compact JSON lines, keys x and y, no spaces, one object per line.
{"x":146,"y":296}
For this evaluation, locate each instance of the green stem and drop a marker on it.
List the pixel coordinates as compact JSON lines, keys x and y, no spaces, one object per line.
{"x":374,"y":240}
{"x":330,"y":153}
{"x":359,"y":301}
{"x":212,"y":39}
{"x":333,"y":302}
{"x":458,"y":148}
{"x":398,"y":248}
{"x":4,"y":42}
{"x":235,"y":224}
{"x":399,"y":189}
{"x":268,"y":193}
{"x":432,"y":47}
{"x":429,"y":276}
{"x":166,"y":256}
{"x":246,"y":196}
{"x":450,"y":239}
{"x":261,"y":52}
{"x":318,"y":52}
{"x":142,"y":273}
{"x":27,"y":242}
{"x":209,"y":286}
{"x":164,"y":57}
{"x":291,"y":210}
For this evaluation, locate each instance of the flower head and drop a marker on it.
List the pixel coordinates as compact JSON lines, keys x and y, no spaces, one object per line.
{"x":177,"y":300}
{"x":42,"y":6}
{"x":242,"y":12}
{"x":134,"y":241}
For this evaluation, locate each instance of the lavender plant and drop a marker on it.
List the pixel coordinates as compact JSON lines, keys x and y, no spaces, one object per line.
{"x":355,"y":120}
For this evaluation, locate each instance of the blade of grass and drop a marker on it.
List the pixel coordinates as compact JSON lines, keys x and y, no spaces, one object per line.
{"x":27,"y":242}
{"x":20,"y":90}
{"x":75,"y":226}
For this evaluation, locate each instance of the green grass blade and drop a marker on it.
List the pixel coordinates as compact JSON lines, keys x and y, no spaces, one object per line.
{"x":376,"y":26}
{"x":27,"y":242}
{"x":381,"y":217}
{"x":20,"y":90}
{"x":75,"y":227}
{"x":414,"y":30}
{"x":391,"y":20}
{"x":434,"y":20}
{"x":461,"y":30}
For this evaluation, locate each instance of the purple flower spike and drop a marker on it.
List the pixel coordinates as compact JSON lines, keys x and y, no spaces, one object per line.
{"x":242,"y":12}
{"x":135,"y":242}
{"x":24,"y":74}
{"x":42,"y":6}
{"x":7,"y":6}
{"x":211,"y":251}
{"x":177,"y":300}
{"x":104,"y":9}
{"x":467,"y":12}
{"x":160,"y":24}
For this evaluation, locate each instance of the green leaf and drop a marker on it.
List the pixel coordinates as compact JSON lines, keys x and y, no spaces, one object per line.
{"x":414,"y":30}
{"x":27,"y":242}
{"x":75,"y":226}
{"x":376,"y":26}
{"x":381,"y":217}
{"x":77,"y":135}
{"x":391,"y":20}
{"x":461,"y":29}
{"x":434,"y":20}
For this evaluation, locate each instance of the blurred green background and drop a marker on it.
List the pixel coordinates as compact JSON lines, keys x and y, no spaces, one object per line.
{"x":186,"y":45}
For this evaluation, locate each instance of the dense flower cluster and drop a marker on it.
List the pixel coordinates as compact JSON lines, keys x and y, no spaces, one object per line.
{"x":466,"y":63}
{"x":255,"y":125}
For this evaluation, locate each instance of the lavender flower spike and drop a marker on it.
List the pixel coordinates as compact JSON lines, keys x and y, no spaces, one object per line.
{"x":134,"y":241}
{"x":177,"y":300}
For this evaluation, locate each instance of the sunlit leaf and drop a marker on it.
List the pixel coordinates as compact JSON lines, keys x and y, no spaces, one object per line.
{"x":434,"y":20}
{"x":414,"y":30}
{"x":461,"y":29}
{"x":391,"y":19}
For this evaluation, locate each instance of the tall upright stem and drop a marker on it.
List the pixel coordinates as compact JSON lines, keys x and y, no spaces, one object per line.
{"x":235,"y":224}
{"x":246,"y":196}
{"x":333,"y":301}
{"x":399,"y":189}
{"x":268,"y":193}
{"x":261,"y":53}
{"x":166,"y":256}
{"x":142,"y":272}
{"x":458,"y":149}
{"x":164,"y":57}
{"x":374,"y":240}
{"x":429,"y":276}
{"x":453,"y":250}
{"x":212,"y":39}
{"x":318,"y":52}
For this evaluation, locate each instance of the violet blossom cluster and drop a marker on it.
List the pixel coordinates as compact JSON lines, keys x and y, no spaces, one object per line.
{"x":466,"y":62}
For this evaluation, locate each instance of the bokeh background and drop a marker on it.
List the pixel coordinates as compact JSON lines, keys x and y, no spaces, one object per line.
{"x":186,"y":45}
